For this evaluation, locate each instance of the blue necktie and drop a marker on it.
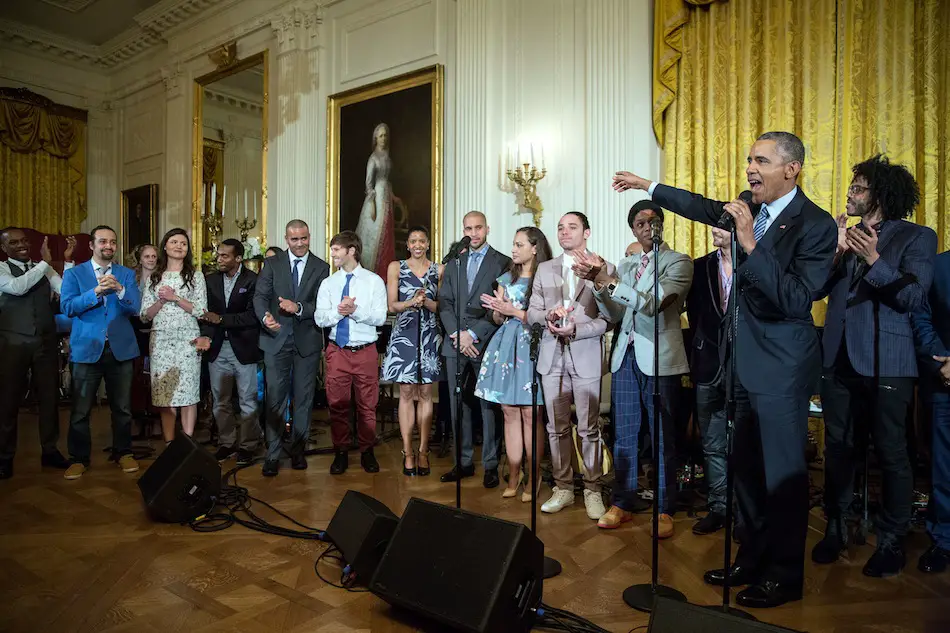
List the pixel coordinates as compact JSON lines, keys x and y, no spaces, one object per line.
{"x":761,"y":220}
{"x":343,"y":327}
{"x":473,"y":261}
{"x":296,"y":276}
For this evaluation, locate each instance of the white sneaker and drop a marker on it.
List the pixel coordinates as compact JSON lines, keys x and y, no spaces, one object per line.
{"x":594,"y":502}
{"x":558,"y":501}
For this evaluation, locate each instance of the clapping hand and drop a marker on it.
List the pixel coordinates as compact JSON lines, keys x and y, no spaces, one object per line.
{"x":863,"y":244}
{"x":944,"y":369}
{"x":591,"y":266}
{"x":498,"y":302}
{"x":70,"y":247}
{"x":842,"y":222}
{"x":418,"y":299}
{"x":565,"y":331}
{"x":558,"y":313}
{"x":287,"y":306}
{"x":270,"y":322}
{"x":44,"y":250}
{"x":347,"y":306}
{"x":202,"y":344}
{"x":165,"y":293}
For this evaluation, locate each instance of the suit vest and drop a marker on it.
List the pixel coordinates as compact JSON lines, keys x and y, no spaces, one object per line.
{"x":31,"y":314}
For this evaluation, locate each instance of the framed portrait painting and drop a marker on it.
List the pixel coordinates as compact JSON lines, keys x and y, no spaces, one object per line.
{"x":139,"y":218}
{"x":384,"y":165}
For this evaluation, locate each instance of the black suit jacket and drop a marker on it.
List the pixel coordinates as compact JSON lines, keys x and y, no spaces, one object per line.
{"x":777,"y":350}
{"x":705,"y":319}
{"x":275,"y":282}
{"x":238,"y":320}
{"x":474,"y":316}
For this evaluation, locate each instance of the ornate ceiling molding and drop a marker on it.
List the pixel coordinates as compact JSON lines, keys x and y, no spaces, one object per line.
{"x":152,"y":26}
{"x":234,"y":100}
{"x":73,"y":6}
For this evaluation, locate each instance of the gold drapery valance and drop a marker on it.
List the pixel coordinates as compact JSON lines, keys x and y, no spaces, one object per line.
{"x":42,"y":163}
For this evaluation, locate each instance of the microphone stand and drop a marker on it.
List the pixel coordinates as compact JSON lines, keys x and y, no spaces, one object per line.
{"x":552,"y":567}
{"x":731,"y":408}
{"x":641,"y":597}
{"x":458,"y":379}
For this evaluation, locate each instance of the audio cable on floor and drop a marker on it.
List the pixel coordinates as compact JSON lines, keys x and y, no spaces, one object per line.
{"x":555,"y":619}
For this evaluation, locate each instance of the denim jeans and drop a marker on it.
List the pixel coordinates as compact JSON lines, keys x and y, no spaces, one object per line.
{"x":86,"y":380}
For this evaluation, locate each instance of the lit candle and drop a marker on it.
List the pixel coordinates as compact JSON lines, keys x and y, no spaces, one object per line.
{"x":245,"y":204}
{"x":214,"y":200}
{"x":224,"y":199}
{"x":255,"y":206}
{"x":533,"y":162}
{"x":542,"y":155}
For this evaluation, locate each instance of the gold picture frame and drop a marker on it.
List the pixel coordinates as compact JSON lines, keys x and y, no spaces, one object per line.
{"x":411,"y":106}
{"x":198,"y":144}
{"x":138,"y":222}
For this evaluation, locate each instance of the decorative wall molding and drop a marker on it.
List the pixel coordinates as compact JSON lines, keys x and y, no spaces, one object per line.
{"x":37,"y":40}
{"x":297,"y":27}
{"x":73,"y":6}
{"x":172,"y":78}
{"x":232,"y":100}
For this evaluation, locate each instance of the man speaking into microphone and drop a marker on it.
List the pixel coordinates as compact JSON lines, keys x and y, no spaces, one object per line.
{"x":785,"y":256}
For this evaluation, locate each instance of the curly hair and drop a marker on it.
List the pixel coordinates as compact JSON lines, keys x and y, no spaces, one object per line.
{"x":892,"y":186}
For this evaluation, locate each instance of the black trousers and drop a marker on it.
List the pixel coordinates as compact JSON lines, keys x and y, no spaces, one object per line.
{"x":21,"y":354}
{"x":287,"y":370}
{"x":851,"y":408}
{"x":772,"y":484}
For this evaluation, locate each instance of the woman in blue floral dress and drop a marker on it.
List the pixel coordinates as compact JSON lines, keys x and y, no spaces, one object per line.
{"x":413,"y":288}
{"x":506,"y":373}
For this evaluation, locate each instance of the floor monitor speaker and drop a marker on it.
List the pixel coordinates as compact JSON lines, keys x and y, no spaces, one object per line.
{"x":673,"y":616}
{"x":361,"y":528}
{"x":182,"y":482}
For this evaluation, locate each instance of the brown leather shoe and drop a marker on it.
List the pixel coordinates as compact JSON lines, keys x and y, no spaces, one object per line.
{"x":614,"y":518}
{"x":665,"y":525}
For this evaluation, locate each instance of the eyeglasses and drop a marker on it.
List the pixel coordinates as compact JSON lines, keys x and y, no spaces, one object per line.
{"x":857,"y":190}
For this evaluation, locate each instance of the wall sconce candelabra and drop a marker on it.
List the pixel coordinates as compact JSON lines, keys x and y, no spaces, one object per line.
{"x":526,"y":176}
{"x":213,"y":223}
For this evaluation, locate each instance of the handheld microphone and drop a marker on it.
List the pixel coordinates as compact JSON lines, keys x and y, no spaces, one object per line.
{"x":455,"y":251}
{"x":536,"y":331}
{"x":727,"y":222}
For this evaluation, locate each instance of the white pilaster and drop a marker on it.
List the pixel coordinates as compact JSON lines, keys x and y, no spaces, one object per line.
{"x":102,"y":185}
{"x":295,"y":182}
{"x":176,"y":203}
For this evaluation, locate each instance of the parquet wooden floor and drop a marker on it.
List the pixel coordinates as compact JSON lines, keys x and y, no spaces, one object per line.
{"x":81,"y":556}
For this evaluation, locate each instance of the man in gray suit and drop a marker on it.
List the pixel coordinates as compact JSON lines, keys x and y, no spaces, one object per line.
{"x":284,"y":300}
{"x":570,"y":362}
{"x":882,"y":273}
{"x":627,"y":297}
{"x":480,"y":266}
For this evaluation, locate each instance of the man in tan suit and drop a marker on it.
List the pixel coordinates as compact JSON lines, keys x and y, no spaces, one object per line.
{"x":570,"y":362}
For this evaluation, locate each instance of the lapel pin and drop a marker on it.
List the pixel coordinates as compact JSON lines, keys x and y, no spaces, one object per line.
{"x":782,"y":226}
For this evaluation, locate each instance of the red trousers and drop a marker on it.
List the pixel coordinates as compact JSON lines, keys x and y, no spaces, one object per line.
{"x":359,"y":370}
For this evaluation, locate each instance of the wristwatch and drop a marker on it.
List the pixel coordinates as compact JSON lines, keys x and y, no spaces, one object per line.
{"x":612,"y":286}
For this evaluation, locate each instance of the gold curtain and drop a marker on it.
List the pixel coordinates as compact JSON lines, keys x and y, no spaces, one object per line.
{"x":42,"y":163}
{"x":850,"y":77}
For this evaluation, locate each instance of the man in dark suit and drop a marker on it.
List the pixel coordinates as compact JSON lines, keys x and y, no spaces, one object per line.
{"x":234,"y":331}
{"x":480,"y":266}
{"x":706,"y":307}
{"x":788,"y":249}
{"x":284,"y":300}
{"x":28,"y":344}
{"x":932,"y":335}
{"x":882,"y":273}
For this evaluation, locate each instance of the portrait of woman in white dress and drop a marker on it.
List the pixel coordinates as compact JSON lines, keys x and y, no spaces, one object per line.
{"x":376,"y":226}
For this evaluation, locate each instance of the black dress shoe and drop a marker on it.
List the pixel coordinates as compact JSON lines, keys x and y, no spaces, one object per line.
{"x":455,"y":474}
{"x":934,"y":560}
{"x":340,"y":463}
{"x":829,"y":548}
{"x":271,"y":466}
{"x":887,"y":560}
{"x":298,"y":462}
{"x":368,"y":461}
{"x":244,"y":457}
{"x":224,"y":453}
{"x":767,"y":594}
{"x":712,"y":522}
{"x":490,"y":480}
{"x":55,"y":459}
{"x":738,"y":575}
{"x":6,"y":469}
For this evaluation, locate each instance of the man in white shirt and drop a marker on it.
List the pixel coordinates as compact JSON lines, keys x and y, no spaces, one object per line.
{"x":28,"y":341}
{"x":352,"y":302}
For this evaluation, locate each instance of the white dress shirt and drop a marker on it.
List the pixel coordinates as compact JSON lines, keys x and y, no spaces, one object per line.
{"x":19,"y":286}
{"x":772,"y":210}
{"x":569,"y":289}
{"x":368,"y":290}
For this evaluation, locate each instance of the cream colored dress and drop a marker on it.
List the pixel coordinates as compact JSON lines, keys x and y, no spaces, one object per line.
{"x":175,"y":363}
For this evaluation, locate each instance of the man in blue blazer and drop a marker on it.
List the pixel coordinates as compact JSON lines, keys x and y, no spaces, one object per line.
{"x":788,"y":246}
{"x":932,"y":335}
{"x":882,"y":272}
{"x":100,"y":296}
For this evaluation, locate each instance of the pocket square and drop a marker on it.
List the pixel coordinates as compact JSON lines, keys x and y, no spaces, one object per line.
{"x":782,"y":226}
{"x":242,"y":290}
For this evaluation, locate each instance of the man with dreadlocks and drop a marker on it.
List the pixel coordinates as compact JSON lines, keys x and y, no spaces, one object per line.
{"x":882,"y":273}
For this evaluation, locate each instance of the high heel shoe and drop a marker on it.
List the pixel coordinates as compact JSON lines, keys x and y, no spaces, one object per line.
{"x":510,"y":492}
{"x":526,"y":495}
{"x":421,"y":470}
{"x":408,"y":472}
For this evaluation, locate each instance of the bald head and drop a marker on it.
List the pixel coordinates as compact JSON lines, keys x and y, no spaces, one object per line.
{"x":476,"y":227}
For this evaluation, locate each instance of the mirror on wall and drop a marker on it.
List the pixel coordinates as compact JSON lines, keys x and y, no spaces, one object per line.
{"x":230,"y":170}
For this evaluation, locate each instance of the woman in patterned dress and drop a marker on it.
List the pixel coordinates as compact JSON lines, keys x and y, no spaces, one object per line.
{"x":413,"y":285}
{"x":175,"y":298}
{"x":507,"y":373}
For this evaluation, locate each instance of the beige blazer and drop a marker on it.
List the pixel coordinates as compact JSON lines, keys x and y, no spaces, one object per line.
{"x":587,"y":348}
{"x":632,"y":306}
